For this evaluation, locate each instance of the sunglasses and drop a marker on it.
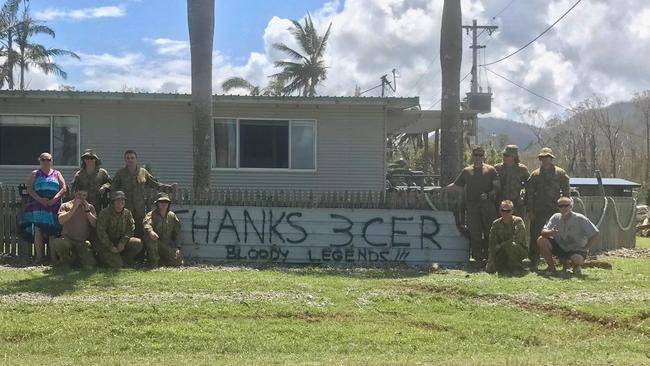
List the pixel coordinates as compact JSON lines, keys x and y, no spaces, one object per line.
{"x":88,"y":158}
{"x":46,"y":159}
{"x":506,"y":210}
{"x":563,"y":206}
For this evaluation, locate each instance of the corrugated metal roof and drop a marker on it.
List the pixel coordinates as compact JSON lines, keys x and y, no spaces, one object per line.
{"x":398,"y":102}
{"x":606,"y":182}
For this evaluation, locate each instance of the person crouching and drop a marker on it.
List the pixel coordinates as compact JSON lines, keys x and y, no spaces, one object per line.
{"x":78,"y":218}
{"x":116,"y":245}
{"x":507,"y":246}
{"x":162,"y":234}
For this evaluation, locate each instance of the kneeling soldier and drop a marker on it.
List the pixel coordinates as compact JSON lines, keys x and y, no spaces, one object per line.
{"x":116,"y":244}
{"x":162,"y":234}
{"x":507,"y":241}
{"x":78,"y":219}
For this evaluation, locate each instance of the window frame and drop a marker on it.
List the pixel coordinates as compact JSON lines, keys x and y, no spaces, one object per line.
{"x":237,"y":145}
{"x":51,"y":117}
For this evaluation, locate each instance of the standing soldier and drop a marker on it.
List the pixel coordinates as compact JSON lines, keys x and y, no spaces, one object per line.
{"x":92,"y":178}
{"x":513,"y":176}
{"x":162,"y":237}
{"x":481,"y":184}
{"x":115,"y":244}
{"x":132,"y":180}
{"x":545,"y":185}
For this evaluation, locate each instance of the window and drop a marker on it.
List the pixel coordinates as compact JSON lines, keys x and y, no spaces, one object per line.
{"x":24,"y":138}
{"x":264,"y":144}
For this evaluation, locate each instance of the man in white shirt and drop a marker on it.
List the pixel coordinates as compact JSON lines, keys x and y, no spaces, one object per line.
{"x":567,"y":235}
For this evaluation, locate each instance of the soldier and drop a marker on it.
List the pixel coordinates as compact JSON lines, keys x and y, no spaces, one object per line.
{"x":545,"y":185}
{"x":513,"y":176}
{"x":507,"y":242}
{"x":481,"y":184}
{"x":116,"y":244}
{"x":78,"y":218}
{"x":162,"y":237}
{"x":92,"y":178}
{"x":132,"y":180}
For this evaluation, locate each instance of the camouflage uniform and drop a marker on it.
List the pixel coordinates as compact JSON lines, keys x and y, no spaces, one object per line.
{"x":507,"y":245}
{"x":168,"y":229}
{"x":480,"y":212}
{"x":544,"y":188}
{"x":133,"y":185}
{"x":93,"y":182}
{"x":513,"y":180}
{"x":113,"y":229}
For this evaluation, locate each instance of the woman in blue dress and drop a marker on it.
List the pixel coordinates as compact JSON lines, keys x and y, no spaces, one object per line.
{"x":46,"y":186}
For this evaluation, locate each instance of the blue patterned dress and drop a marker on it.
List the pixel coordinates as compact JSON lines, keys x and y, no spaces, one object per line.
{"x":38,"y":215}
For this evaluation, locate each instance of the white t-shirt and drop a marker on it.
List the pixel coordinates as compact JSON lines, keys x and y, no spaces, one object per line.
{"x":573,"y":232}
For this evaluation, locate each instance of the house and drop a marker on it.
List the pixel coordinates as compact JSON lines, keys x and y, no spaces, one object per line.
{"x":319,"y":144}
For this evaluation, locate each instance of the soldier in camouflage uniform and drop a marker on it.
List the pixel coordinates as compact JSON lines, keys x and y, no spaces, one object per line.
{"x":115,"y":244}
{"x":507,"y":242}
{"x":162,"y":234}
{"x":545,"y":185}
{"x":78,"y":218}
{"x":132,"y":180}
{"x":481,"y":184}
{"x":92,"y":178}
{"x":513,"y":176}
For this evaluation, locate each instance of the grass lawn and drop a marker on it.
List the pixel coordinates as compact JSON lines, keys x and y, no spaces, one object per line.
{"x":314,"y":315}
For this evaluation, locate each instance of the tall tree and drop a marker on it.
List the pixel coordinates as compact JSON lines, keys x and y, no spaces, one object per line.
{"x":32,"y":54}
{"x":642,"y":103}
{"x":8,"y":23}
{"x":200,"y":16}
{"x":308,"y":67}
{"x":450,"y":59}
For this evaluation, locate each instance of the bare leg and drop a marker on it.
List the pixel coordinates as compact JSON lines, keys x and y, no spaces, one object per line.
{"x":39,"y":247}
{"x":577,"y":261}
{"x":545,"y":250}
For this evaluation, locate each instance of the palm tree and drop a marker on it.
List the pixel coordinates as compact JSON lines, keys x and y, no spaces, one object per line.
{"x":308,"y":68}
{"x":34,"y":54}
{"x":275,"y":87}
{"x":237,"y":82}
{"x":8,"y":23}
{"x":200,"y":19}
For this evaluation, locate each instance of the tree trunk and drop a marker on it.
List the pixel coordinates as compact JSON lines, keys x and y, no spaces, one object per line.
{"x":450,"y":58}
{"x":200,"y":16}
{"x":10,"y":60}
{"x":647,"y":147}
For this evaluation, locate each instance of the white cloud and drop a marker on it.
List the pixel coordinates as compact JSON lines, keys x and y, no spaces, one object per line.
{"x":597,"y":48}
{"x":81,"y":14}
{"x":166,"y":46}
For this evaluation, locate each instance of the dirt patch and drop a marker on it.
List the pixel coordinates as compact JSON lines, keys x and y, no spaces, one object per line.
{"x":35,"y":298}
{"x":628,"y":253}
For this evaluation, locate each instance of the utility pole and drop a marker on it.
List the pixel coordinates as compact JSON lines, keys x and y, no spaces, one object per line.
{"x":475,"y":47}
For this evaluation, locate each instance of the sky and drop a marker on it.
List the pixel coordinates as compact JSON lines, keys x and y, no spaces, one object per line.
{"x":599,"y":47}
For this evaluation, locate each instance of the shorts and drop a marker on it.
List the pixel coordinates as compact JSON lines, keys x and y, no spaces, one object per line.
{"x":564,"y":254}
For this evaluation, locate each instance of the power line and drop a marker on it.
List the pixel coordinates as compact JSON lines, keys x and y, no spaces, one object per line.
{"x":526,"y":89}
{"x":536,"y":38}
{"x":504,"y":9}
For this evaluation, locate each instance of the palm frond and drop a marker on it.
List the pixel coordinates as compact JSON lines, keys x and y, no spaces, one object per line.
{"x":237,"y":82}
{"x":286,"y":49}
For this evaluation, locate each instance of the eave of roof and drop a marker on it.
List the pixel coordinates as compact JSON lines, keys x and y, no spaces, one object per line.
{"x":392,"y":102}
{"x":608,"y":182}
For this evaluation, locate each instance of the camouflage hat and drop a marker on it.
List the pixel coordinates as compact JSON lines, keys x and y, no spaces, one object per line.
{"x":162,"y":196}
{"x":546,"y":151}
{"x":118,"y":195}
{"x":478,"y":150}
{"x":511,"y":150}
{"x":89,"y":153}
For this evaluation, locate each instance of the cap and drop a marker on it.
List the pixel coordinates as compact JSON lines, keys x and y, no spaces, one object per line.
{"x":546,"y":151}
{"x":118,"y":195}
{"x":511,"y":150}
{"x":162,"y":196}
